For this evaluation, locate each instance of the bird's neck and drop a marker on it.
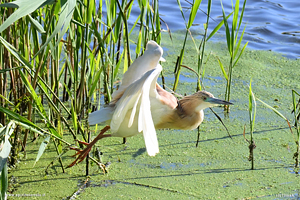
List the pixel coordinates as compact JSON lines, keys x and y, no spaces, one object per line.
{"x":188,"y":106}
{"x":187,"y":113}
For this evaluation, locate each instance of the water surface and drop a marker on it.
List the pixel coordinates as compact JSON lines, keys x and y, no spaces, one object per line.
{"x":270,"y":25}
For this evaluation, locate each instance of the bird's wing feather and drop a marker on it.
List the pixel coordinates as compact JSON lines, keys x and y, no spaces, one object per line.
{"x":145,"y":121}
{"x":140,"y":66}
{"x":101,"y":115}
{"x":128,"y":100}
{"x":138,"y":94}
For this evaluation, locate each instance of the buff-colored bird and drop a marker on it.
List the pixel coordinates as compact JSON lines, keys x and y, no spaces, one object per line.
{"x":142,"y":106}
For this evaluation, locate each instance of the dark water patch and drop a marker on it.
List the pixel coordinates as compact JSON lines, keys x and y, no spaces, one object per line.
{"x":294,"y":171}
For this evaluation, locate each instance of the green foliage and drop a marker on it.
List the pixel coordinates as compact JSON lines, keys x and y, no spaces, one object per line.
{"x":233,"y":44}
{"x":67,"y":52}
{"x":193,"y":13}
{"x":252,"y":109}
{"x":296,"y":111}
{"x":194,"y":10}
{"x":42,"y":148}
{"x":252,"y":114}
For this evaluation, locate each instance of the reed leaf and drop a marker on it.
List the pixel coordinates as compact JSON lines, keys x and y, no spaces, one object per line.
{"x":6,"y":100}
{"x":195,"y":6}
{"x":252,"y":108}
{"x":243,"y":49}
{"x":24,"y":7}
{"x":180,"y":8}
{"x":4,"y":181}
{"x":17,"y":117}
{"x":239,"y":43}
{"x":9,"y":69}
{"x":67,"y":9}
{"x":36,"y":25}
{"x":42,"y":149}
{"x":242,"y":14}
{"x":218,"y":27}
{"x":222,"y":68}
{"x":273,"y":109}
{"x":227,"y":31}
{"x":91,"y":11}
{"x":236,"y":14}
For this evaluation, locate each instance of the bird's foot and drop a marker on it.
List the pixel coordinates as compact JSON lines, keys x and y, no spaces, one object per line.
{"x":83,"y":153}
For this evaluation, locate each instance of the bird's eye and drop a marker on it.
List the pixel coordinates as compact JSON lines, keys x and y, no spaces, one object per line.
{"x":204,"y":98}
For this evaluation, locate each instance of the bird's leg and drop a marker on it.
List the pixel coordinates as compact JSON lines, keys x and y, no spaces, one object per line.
{"x":83,"y":153}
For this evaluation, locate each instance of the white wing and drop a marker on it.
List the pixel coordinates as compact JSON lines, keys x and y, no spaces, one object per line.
{"x":137,"y":98}
{"x":101,"y":115}
{"x":149,"y":60}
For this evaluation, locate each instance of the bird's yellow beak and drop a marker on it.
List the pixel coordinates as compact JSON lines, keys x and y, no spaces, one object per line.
{"x":217,"y":101}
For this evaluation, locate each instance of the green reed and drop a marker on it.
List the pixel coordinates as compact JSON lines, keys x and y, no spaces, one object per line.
{"x":252,"y":115}
{"x":62,"y":54}
{"x":296,"y":115}
{"x":296,"y":111}
{"x":193,"y":13}
{"x":233,"y":45}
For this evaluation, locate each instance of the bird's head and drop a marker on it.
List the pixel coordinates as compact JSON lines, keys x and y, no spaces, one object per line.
{"x":205,"y":100}
{"x":153,"y":47}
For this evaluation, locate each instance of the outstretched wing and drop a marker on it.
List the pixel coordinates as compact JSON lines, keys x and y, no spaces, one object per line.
{"x":148,"y":61}
{"x":102,"y":115}
{"x":137,"y":98}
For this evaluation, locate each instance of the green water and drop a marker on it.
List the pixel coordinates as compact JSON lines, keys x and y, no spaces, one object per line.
{"x":217,"y":169}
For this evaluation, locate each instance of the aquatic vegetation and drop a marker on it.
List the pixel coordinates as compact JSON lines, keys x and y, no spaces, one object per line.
{"x":63,"y":59}
{"x":233,"y":45}
{"x":296,"y":114}
{"x":192,"y":16}
{"x":62,"y":79}
{"x":200,"y":51}
{"x":252,"y":114}
{"x":296,"y":111}
{"x":58,"y":56}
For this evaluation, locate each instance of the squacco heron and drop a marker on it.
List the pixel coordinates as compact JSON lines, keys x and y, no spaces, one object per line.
{"x":141,"y":105}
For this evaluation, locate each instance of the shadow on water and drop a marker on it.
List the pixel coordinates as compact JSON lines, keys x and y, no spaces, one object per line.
{"x":226,"y":137}
{"x":107,"y":183}
{"x":139,"y":152}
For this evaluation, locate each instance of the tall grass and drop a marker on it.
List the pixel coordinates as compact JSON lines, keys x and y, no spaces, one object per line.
{"x":296,"y":112}
{"x":252,"y":115}
{"x":189,"y":23}
{"x":63,"y":54}
{"x":234,"y":41}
